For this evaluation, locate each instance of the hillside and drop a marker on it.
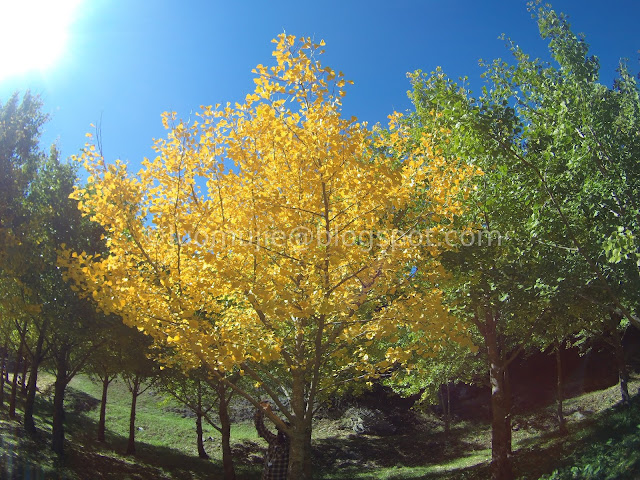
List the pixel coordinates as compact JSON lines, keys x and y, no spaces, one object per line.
{"x":601,"y":439}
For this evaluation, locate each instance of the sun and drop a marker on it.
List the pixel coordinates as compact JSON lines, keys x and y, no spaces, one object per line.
{"x":34,"y":34}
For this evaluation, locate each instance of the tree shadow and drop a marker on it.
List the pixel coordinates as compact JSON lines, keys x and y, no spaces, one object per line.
{"x":413,"y":448}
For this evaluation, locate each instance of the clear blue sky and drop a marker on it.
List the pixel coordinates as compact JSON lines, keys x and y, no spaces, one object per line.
{"x":127,"y":61}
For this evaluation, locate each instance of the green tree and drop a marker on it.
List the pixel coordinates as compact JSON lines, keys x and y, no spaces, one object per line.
{"x":558,"y":152}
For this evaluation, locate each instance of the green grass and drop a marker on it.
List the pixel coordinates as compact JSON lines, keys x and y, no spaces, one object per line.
{"x":604,"y":445}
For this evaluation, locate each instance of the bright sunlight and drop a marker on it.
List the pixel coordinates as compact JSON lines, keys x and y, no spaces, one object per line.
{"x":34,"y":34}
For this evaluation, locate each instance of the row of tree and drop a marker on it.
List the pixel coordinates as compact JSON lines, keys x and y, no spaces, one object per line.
{"x":275,"y":241}
{"x":45,"y":323}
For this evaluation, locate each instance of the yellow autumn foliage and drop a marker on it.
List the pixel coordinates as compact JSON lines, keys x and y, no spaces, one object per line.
{"x":267,"y":231}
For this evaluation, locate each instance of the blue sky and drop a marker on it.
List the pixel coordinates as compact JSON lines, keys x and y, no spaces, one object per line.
{"x":127,"y":61}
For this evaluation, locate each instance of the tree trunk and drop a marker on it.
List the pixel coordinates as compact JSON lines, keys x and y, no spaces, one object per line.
{"x":447,"y":425}
{"x":300,"y":452}
{"x":300,"y":440}
{"x":14,"y":384}
{"x":500,"y":438}
{"x":103,"y":408}
{"x":446,"y":410}
{"x":616,"y":340}
{"x":507,"y":405}
{"x":225,"y":426}
{"x":25,"y":371}
{"x":562,"y":426}
{"x":623,"y":373}
{"x":57,"y":442}
{"x":3,"y":369}
{"x":131,"y":444}
{"x":201,"y":451}
{"x":29,"y":404}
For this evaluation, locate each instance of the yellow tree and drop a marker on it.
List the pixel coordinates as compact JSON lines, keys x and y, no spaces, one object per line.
{"x":263,"y":238}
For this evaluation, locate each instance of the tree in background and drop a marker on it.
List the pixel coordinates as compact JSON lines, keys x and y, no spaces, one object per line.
{"x":431,"y":377}
{"x":107,"y":363}
{"x":69,"y":325}
{"x":21,"y":121}
{"x":140,"y":372}
{"x":293,"y":233}
{"x":201,"y":393}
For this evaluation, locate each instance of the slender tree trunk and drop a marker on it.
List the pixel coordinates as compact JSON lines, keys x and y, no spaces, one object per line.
{"x":500,"y":437}
{"x":131,"y":444}
{"x":446,"y":412}
{"x":103,"y":408}
{"x":30,"y":400}
{"x":14,"y":384}
{"x":616,"y":338}
{"x":3,"y":369}
{"x":201,"y":451}
{"x":562,"y":425}
{"x":25,"y":371}
{"x":29,"y":404}
{"x":57,"y":442}
{"x":225,"y":426}
{"x":623,"y":373}
{"x":508,"y":405}
{"x":448,"y":423}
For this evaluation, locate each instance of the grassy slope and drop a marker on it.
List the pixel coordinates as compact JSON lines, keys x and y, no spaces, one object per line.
{"x":598,"y":444}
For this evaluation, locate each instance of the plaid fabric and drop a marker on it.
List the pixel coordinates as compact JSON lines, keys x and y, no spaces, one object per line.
{"x":276,"y":461}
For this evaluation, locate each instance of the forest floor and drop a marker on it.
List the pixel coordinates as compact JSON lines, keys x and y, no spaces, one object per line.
{"x":603,"y":442}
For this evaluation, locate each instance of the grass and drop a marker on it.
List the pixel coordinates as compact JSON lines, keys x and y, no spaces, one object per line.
{"x":603,"y":444}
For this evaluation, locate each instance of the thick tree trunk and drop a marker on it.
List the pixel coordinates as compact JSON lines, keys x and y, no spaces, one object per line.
{"x":131,"y":444}
{"x":300,"y":440}
{"x":562,"y":425}
{"x":500,"y":437}
{"x":103,"y":408}
{"x":225,"y":426}
{"x":300,"y":452}
{"x":29,"y":404}
{"x":57,"y":441}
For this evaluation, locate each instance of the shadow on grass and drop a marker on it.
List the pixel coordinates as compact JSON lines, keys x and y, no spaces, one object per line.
{"x":91,"y":459}
{"x":418,"y":453}
{"x":24,"y":456}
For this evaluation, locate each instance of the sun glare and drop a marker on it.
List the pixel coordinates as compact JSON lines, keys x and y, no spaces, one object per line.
{"x":34,"y":34}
